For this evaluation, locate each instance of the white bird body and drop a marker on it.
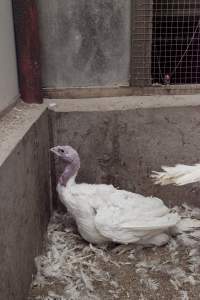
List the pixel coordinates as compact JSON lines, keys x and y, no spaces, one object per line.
{"x":178,"y":175}
{"x":104,"y":213}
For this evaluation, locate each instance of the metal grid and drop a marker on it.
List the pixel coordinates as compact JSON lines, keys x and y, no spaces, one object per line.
{"x":168,"y":35}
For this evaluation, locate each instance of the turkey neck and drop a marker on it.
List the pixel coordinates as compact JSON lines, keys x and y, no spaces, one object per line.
{"x":70,"y":172}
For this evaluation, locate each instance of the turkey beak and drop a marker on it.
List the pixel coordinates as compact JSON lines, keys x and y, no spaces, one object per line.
{"x":54,"y":150}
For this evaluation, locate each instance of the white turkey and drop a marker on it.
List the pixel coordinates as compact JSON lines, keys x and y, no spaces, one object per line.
{"x":178,"y":175}
{"x":104,"y":213}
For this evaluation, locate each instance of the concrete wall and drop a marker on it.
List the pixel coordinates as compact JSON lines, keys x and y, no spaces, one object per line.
{"x":122,"y":140}
{"x":24,"y":196}
{"x":8,"y":70}
{"x":85,"y":42}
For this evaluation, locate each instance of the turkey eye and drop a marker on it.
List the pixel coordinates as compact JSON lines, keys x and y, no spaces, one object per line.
{"x":61,"y":150}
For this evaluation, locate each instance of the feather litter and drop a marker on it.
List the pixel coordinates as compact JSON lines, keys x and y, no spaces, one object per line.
{"x":77,"y":265}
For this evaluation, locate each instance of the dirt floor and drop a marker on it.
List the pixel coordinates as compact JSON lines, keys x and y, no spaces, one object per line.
{"x":70,"y":269}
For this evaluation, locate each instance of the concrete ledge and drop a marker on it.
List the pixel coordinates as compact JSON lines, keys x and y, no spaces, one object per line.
{"x":15,"y":124}
{"x":123,"y":103}
{"x":24,"y":195}
{"x":119,"y":91}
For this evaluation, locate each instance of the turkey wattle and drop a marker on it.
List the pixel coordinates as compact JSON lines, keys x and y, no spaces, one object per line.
{"x":104,"y":213}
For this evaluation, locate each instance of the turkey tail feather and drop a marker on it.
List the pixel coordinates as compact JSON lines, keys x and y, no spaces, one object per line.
{"x":178,"y":175}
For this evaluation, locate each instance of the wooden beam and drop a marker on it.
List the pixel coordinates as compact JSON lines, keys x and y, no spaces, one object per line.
{"x":78,"y":93}
{"x":28,"y":49}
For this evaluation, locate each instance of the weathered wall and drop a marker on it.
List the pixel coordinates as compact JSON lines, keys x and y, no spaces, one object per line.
{"x":24,"y":196}
{"x":85,"y":42}
{"x":122,"y":140}
{"x":8,"y":70}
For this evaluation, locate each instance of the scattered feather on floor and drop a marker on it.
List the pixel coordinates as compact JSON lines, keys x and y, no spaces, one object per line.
{"x":184,"y":295}
{"x":71,"y":269}
{"x":70,"y":262}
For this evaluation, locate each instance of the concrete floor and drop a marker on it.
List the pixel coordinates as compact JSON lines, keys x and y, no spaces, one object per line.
{"x":71,"y":269}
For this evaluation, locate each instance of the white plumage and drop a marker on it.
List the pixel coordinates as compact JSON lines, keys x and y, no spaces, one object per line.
{"x":104,"y":213}
{"x":178,"y":175}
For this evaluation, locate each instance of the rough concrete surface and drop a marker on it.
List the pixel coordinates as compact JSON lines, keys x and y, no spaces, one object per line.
{"x":24,"y":196}
{"x":122,"y":147}
{"x":85,"y":43}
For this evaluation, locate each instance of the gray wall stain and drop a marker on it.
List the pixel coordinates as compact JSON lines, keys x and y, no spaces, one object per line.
{"x":85,"y":42}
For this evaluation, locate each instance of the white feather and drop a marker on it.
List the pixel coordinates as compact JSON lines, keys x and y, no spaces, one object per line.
{"x":184,"y":295}
{"x":150,"y":283}
{"x":186,"y":225}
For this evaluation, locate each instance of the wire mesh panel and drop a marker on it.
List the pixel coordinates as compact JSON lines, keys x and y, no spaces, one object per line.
{"x":171,"y":28}
{"x":142,"y":17}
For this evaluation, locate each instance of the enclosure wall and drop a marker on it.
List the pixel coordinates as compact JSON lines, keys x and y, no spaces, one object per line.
{"x":8,"y":70}
{"x":24,"y":196}
{"x":122,"y":140}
